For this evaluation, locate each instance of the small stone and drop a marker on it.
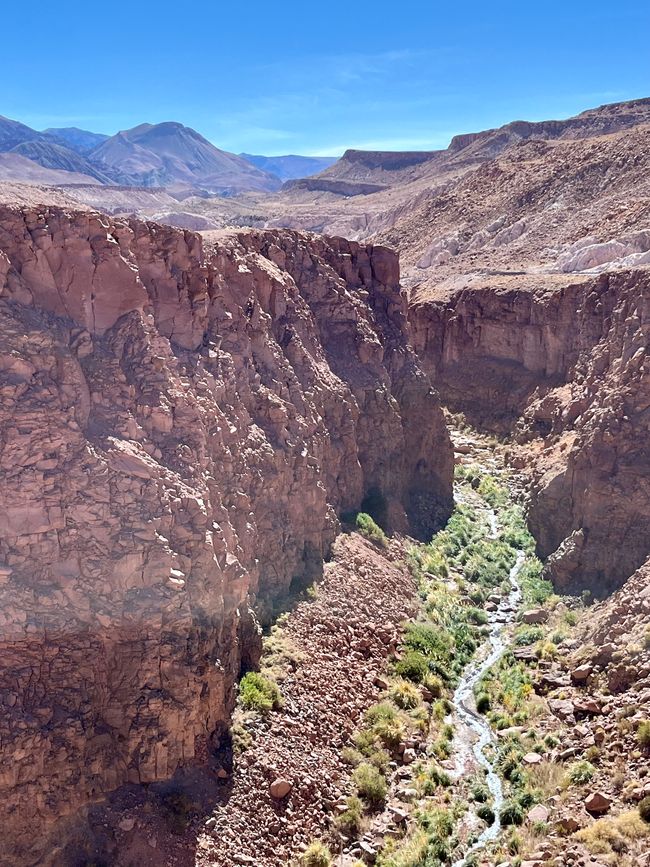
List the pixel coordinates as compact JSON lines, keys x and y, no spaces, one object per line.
{"x":127,"y":824}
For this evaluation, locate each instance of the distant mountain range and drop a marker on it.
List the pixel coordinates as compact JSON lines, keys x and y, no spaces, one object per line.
{"x":167,"y":155}
{"x":291,"y":166}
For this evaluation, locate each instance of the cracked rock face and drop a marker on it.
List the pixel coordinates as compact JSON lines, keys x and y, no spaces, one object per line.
{"x":182,"y":422}
{"x":566,"y":371}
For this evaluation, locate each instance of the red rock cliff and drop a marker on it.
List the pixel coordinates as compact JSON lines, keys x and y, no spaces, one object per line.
{"x":181,"y":424}
{"x":566,"y":370}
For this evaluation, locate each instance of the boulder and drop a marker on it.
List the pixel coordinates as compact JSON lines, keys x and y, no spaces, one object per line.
{"x":539,"y":813}
{"x":581,"y":673}
{"x":532,"y":759}
{"x":280,"y":788}
{"x":535,"y":615}
{"x":597,"y":803}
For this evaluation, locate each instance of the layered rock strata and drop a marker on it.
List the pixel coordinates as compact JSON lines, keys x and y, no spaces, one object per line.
{"x":181,"y":425}
{"x":566,"y":371}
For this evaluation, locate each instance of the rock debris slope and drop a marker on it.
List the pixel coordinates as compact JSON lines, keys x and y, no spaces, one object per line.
{"x":181,"y":424}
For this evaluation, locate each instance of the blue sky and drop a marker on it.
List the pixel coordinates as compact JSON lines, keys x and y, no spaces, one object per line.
{"x":289,"y":77}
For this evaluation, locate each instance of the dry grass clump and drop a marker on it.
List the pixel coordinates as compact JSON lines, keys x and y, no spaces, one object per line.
{"x":316,"y":855}
{"x":614,"y":835}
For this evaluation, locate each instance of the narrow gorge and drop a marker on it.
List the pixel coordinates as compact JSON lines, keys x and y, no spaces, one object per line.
{"x":241,"y":608}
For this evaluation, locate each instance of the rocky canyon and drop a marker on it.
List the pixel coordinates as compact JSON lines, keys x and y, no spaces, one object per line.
{"x":282,"y":469}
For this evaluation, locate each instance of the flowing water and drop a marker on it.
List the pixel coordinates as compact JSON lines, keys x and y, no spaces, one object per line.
{"x":473,"y":731}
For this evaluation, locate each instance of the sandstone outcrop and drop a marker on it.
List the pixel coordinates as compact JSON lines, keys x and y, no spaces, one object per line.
{"x":565,"y":370}
{"x":181,"y":425}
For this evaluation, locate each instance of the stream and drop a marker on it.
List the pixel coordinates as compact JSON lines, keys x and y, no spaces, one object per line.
{"x":473,"y":731}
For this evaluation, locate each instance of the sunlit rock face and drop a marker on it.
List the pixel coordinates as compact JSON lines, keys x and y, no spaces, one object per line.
{"x":182,"y":424}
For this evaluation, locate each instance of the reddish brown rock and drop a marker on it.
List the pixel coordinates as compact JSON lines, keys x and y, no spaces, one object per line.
{"x":564,"y":368}
{"x":280,"y":788}
{"x":597,"y":803}
{"x":181,"y":425}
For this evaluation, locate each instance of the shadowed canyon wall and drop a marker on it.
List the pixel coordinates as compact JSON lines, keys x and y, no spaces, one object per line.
{"x":181,"y":424}
{"x":566,"y":371}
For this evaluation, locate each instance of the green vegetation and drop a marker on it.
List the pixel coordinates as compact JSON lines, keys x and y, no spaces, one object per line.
{"x":643,"y":734}
{"x":644,"y":809}
{"x":259,"y":693}
{"x":511,"y":814}
{"x":349,"y":822}
{"x":486,"y":813}
{"x":612,"y":836}
{"x":316,"y":855}
{"x":509,"y":691}
{"x":581,"y":773}
{"x":430,"y":843}
{"x":371,"y":530}
{"x":370,"y":784}
{"x":404,"y":694}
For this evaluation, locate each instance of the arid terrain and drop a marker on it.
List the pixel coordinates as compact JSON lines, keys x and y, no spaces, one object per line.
{"x":326,"y":503}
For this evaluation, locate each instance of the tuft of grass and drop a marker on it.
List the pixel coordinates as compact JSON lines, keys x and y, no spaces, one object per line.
{"x":259,"y":693}
{"x":643,"y":734}
{"x":371,"y":785}
{"x":404,"y":694}
{"x":316,"y":855}
{"x":644,"y":809}
{"x":613,"y":835}
{"x":349,"y":822}
{"x":580,"y":773}
{"x":511,"y":814}
{"x":486,"y":813}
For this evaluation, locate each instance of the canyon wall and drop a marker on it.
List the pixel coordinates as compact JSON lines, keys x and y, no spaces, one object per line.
{"x":182,"y":422}
{"x":565,"y":370}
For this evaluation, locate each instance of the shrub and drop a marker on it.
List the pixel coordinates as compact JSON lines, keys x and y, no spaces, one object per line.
{"x":486,"y":814}
{"x":413,"y":666}
{"x":349,"y":822}
{"x":613,"y":835}
{"x":435,"y":776}
{"x":480,"y":794}
{"x":581,"y":773}
{"x":368,"y":528}
{"x":511,"y":814}
{"x":483,"y":702}
{"x":370,"y":785}
{"x":644,"y":809}
{"x":643,"y":734}
{"x":316,"y":855}
{"x":259,"y":693}
{"x":404,"y":694}
{"x":434,"y":684}
{"x":477,"y":616}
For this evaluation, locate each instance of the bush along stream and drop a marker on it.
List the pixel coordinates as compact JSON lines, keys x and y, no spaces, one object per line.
{"x":473,"y":578}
